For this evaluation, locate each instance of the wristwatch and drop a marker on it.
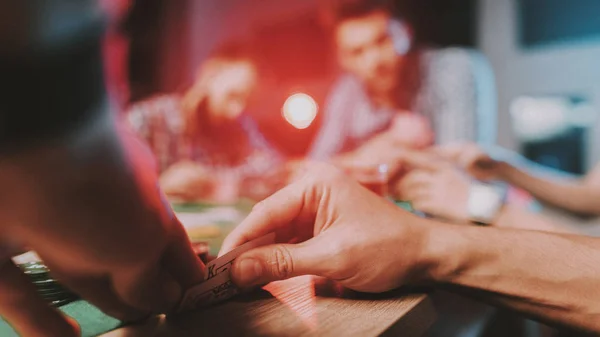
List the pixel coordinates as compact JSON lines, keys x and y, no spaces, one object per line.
{"x":485,"y":202}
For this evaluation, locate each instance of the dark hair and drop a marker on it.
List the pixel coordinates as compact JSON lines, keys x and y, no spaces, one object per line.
{"x":351,"y":9}
{"x":194,"y":106}
{"x":234,"y":51}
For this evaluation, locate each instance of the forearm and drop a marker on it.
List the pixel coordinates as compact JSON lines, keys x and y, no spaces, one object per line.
{"x":89,"y":187}
{"x":550,"y":277}
{"x":519,"y":218}
{"x":575,"y":196}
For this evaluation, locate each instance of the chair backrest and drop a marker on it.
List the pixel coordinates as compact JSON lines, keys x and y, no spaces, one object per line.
{"x":461,"y":95}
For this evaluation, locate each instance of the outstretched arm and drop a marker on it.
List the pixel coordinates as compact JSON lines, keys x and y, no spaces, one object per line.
{"x":557,"y":188}
{"x":550,"y":277}
{"x":575,"y":195}
{"x":329,"y":226}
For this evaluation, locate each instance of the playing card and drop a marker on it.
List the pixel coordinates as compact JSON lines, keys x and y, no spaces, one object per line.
{"x":207,"y":293}
{"x":223,"y":263}
{"x":217,"y":286}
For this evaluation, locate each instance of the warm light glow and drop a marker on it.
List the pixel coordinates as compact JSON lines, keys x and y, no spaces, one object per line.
{"x":300,"y":110}
{"x":298,"y":294}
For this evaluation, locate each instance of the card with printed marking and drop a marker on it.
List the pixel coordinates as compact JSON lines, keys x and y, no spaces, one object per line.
{"x":223,"y":263}
{"x":218,"y":286}
{"x":207,"y":293}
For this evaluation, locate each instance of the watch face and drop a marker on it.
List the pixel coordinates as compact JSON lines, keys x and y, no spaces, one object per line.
{"x":485,"y":202}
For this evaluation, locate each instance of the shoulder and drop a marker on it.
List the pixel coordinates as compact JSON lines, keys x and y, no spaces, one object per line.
{"x":346,"y":84}
{"x":344,"y":94}
{"x":455,"y":62}
{"x":156,"y":104}
{"x":447,"y":57}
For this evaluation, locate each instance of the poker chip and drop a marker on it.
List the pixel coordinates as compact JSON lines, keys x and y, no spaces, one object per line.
{"x":49,"y":289}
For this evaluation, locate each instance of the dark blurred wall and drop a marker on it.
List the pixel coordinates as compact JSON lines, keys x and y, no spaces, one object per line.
{"x":441,"y":22}
{"x":163,"y":38}
{"x":545,"y":22}
{"x":159,"y":35}
{"x":566,"y":69}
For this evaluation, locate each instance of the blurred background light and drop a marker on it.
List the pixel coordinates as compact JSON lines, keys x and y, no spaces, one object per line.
{"x":300,"y":110}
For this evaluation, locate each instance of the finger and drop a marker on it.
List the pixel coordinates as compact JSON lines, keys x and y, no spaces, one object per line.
{"x":268,"y":216}
{"x":181,"y":261}
{"x":466,"y":155}
{"x":423,"y":160}
{"x":476,"y":159}
{"x":279,"y":262}
{"x":450,"y":151}
{"x":150,"y":288}
{"x":359,"y":171}
{"x":26,"y":311}
{"x":157,"y":284}
{"x":422,"y":204}
{"x":412,"y":184}
{"x":416,"y":195}
{"x":417,"y":179}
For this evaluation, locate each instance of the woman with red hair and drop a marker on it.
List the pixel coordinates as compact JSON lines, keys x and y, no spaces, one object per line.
{"x":206,"y":146}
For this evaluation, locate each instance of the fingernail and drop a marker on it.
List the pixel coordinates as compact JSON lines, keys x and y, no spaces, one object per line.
{"x":247,"y":272}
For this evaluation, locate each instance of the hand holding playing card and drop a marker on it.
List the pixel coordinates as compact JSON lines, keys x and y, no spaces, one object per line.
{"x":436,"y":187}
{"x":328,"y":225}
{"x":93,"y":212}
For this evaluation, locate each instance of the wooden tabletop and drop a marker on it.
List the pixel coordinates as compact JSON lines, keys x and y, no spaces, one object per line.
{"x":304,"y":306}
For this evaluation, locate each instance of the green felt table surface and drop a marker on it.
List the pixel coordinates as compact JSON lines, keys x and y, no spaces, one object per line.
{"x":91,"y":320}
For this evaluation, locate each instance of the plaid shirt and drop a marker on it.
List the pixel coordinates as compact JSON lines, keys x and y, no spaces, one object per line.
{"x":158,"y":121}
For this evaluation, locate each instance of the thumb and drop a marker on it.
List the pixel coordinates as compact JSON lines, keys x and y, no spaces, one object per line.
{"x":277,"y":262}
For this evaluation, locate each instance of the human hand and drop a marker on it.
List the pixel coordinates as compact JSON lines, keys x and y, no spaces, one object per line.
{"x":411,"y":130}
{"x":92,"y":210}
{"x":436,"y":187}
{"x":328,"y":225}
{"x":472,"y":159}
{"x":187,"y":181}
{"x":378,"y":165}
{"x":408,"y":131}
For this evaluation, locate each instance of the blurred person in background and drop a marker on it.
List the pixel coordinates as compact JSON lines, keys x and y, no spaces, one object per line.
{"x":207,"y":146}
{"x":449,"y":181}
{"x":393,"y":94}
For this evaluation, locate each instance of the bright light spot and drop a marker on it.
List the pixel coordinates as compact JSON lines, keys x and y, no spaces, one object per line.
{"x":300,"y":110}
{"x":539,"y":118}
